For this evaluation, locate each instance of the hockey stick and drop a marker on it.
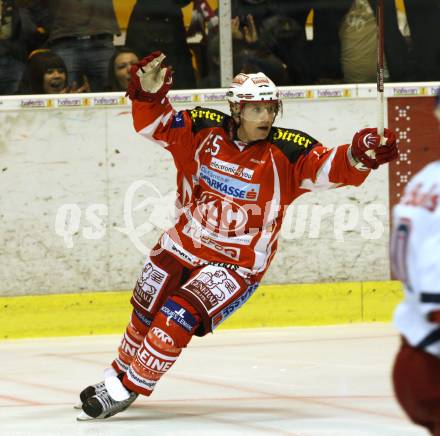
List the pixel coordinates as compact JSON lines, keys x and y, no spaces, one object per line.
{"x":380,"y":67}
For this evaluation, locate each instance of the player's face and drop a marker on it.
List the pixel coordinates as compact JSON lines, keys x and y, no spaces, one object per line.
{"x":122,"y":65}
{"x":54,"y":80}
{"x":256,"y":120}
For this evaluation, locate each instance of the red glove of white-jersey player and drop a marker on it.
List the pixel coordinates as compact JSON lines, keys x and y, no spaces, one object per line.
{"x":150,"y":78}
{"x":367,"y":150}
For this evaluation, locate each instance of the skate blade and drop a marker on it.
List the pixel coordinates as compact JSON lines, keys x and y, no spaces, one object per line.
{"x":84,"y":417}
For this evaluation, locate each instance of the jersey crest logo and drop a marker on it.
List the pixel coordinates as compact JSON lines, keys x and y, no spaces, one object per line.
{"x":178,"y":121}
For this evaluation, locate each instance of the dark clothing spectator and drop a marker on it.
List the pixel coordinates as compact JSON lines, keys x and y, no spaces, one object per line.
{"x":280,"y":49}
{"x":323,"y":53}
{"x":81,"y":32}
{"x":158,"y":25}
{"x":11,"y":69}
{"x":257,"y":59}
{"x":18,"y":32}
{"x":81,"y":18}
{"x":424,"y":24}
{"x":12,"y":51}
{"x":203,"y":25}
{"x":249,"y":56}
{"x":327,"y":44}
{"x":396,"y":49}
{"x":212,"y":79}
{"x":285,"y":38}
{"x":259,"y":9}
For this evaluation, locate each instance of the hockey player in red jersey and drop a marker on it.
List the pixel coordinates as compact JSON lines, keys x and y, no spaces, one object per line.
{"x":415,"y":254}
{"x":241,"y":173}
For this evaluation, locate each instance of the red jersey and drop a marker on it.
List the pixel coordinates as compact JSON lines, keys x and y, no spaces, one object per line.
{"x":237,"y":193}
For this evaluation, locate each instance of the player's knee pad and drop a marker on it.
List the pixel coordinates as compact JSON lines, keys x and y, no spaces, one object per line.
{"x":131,"y":341}
{"x":170,"y":331}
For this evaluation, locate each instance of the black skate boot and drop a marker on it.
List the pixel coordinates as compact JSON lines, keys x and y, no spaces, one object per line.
{"x":95,"y":389}
{"x":89,"y":392}
{"x":103,"y":404}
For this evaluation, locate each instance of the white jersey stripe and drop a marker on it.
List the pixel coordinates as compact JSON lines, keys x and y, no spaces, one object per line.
{"x":322,"y":177}
{"x":186,"y":194}
{"x":262,"y":247}
{"x":130,"y":341}
{"x":148,"y":131}
{"x":197,"y":154}
{"x":156,"y":353}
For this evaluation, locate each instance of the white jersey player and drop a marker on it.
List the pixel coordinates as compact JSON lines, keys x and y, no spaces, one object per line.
{"x":415,"y":255}
{"x":416,"y":259}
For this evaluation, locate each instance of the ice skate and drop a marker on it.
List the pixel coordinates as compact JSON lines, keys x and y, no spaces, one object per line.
{"x":95,"y":389}
{"x":89,"y":392}
{"x":109,"y":401}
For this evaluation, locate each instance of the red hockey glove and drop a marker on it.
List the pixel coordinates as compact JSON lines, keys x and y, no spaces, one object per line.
{"x":150,"y":78}
{"x":366,"y":148}
{"x":388,"y":151}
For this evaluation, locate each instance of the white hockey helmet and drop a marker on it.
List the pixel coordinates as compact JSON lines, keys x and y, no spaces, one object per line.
{"x":252,"y":87}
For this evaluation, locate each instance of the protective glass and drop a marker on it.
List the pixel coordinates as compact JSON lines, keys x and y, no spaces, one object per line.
{"x":259,"y":111}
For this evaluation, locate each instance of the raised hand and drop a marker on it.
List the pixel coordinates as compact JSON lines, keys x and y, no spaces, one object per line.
{"x":85,"y":87}
{"x":150,"y":78}
{"x":250,"y":30}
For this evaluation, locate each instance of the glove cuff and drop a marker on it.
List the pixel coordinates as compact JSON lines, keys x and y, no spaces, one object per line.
{"x":137,"y":93}
{"x":355,"y":163}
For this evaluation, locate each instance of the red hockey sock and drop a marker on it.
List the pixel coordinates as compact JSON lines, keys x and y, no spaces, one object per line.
{"x":131,"y":341}
{"x":170,"y":331}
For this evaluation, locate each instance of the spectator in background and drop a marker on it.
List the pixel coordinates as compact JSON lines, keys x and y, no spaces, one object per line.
{"x":343,"y":47}
{"x":324,"y":50}
{"x":81,"y":32}
{"x":18,"y":31}
{"x":212,"y":78}
{"x":203,"y":25}
{"x":259,"y":9}
{"x":249,"y":55}
{"x":204,"y":19}
{"x":46,"y":73}
{"x":358,"y":46}
{"x":119,"y":68}
{"x":252,"y":53}
{"x":158,"y":25}
{"x":285,"y":38}
{"x":424,"y":24}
